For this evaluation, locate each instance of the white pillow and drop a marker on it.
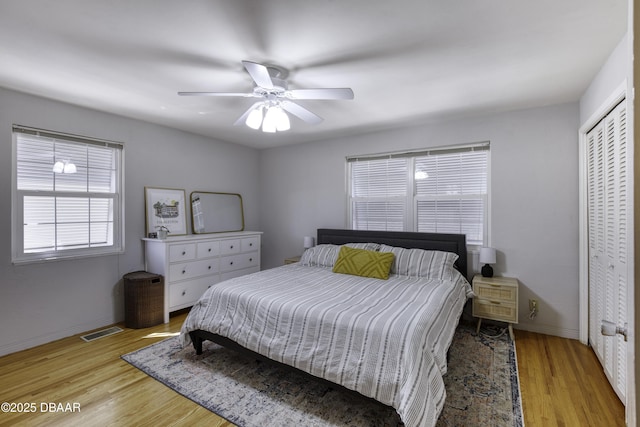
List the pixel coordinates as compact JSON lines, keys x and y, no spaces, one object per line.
{"x":422,"y":263}
{"x":365,"y":246}
{"x":326,"y":255}
{"x":320,"y":256}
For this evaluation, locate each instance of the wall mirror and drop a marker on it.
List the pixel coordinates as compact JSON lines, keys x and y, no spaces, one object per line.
{"x":216,"y":212}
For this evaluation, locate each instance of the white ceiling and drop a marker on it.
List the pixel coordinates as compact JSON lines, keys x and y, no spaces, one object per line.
{"x":407,"y":61}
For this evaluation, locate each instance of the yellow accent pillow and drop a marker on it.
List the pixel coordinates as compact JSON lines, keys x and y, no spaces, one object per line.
{"x":361,"y":262}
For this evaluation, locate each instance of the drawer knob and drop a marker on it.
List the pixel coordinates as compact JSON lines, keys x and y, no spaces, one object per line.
{"x":250,"y":244}
{"x":231,"y":247}
{"x":231,"y":263}
{"x":250,"y":259}
{"x":184,"y":271}
{"x":184,"y":293}
{"x":184,"y":253}
{"x":209,"y":249}
{"x":209,"y":267}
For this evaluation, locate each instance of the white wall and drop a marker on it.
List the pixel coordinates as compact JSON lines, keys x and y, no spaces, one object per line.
{"x":45,"y":301}
{"x":612,"y":74}
{"x":534,"y":200}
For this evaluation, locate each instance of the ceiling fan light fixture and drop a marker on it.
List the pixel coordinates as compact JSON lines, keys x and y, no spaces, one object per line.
{"x":282,"y":120}
{"x":254,"y":120}
{"x":270,"y":123}
{"x":271,"y":87}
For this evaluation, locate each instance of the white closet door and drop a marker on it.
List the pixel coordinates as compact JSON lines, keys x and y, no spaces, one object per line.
{"x":617,"y":232}
{"x":608,"y":229}
{"x":595,"y":182}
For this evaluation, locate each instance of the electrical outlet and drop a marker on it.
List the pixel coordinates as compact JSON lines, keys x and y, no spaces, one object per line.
{"x":533,"y":308}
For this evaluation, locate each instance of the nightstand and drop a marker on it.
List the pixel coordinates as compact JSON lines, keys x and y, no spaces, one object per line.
{"x":292,"y":260}
{"x":496,"y":299}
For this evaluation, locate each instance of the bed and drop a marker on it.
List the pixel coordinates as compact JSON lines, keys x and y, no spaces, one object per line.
{"x":386,"y":339}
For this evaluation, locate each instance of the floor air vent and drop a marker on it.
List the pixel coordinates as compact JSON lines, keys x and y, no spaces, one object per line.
{"x":101,"y":334}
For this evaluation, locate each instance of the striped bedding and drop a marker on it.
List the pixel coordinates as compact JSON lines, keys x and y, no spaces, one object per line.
{"x":386,"y":339}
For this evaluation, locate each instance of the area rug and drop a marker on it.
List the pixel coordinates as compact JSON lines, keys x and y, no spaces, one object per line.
{"x":481,"y":383}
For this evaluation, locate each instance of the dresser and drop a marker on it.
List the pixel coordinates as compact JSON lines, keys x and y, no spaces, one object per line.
{"x":193,"y":263}
{"x":496,"y":298}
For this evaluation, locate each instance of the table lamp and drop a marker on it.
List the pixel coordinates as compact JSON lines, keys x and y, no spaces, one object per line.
{"x":308,"y":242}
{"x":487,"y":257}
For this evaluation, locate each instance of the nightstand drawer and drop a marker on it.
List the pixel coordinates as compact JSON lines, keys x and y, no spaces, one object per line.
{"x":496,"y":310}
{"x":496,"y":292}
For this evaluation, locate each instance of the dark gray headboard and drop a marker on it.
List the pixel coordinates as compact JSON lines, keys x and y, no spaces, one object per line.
{"x":455,"y":243}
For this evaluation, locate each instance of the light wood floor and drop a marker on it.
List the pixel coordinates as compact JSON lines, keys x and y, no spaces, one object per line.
{"x":561,"y":383}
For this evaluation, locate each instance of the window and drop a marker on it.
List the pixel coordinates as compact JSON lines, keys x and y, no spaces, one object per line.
{"x":439,"y":191}
{"x":67,"y":196}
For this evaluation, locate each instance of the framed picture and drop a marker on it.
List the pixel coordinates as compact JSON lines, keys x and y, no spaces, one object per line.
{"x":165,"y":209}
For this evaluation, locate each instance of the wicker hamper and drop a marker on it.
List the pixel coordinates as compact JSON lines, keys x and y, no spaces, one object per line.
{"x":143,"y":299}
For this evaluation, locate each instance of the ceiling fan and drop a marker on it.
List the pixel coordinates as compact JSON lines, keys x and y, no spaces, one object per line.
{"x":275,"y":98}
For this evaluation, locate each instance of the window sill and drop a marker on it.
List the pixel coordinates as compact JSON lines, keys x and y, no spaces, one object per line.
{"x":38,"y":259}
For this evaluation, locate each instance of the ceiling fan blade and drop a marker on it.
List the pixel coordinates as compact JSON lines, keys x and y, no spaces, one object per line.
{"x":301,"y":112}
{"x":243,"y":118}
{"x":328,"y":93}
{"x":259,"y":73}
{"x":243,"y":94}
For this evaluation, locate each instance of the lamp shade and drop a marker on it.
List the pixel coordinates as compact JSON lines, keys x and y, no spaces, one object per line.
{"x":254,"y":119}
{"x":487,"y":255}
{"x":270,"y":122}
{"x":308,"y":242}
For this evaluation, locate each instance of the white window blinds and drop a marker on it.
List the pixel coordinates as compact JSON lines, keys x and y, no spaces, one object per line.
{"x":443,"y":191}
{"x":379,"y":192}
{"x":67,"y":195}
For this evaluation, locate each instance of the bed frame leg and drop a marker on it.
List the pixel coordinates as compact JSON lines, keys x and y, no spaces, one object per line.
{"x":197,"y":343}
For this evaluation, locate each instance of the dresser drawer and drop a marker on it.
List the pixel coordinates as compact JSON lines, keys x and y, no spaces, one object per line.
{"x":496,"y":310}
{"x":182,"y":252}
{"x":228,"y":247}
{"x":207,"y":249}
{"x":240,"y":261}
{"x":188,"y":270}
{"x":250,"y":244}
{"x":495,"y":292}
{"x":185,"y":294}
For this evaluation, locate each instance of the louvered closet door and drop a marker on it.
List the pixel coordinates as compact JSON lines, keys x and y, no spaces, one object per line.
{"x":595,"y":182}
{"x":607,"y":193}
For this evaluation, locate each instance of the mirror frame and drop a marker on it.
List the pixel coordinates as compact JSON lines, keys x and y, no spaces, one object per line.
{"x":215,"y":230}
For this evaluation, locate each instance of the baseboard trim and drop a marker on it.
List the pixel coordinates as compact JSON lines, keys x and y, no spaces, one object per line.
{"x":53,"y":336}
{"x":573,"y":334}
